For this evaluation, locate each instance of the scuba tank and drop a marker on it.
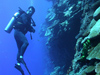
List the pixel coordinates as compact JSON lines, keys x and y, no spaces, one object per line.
{"x":10,"y":25}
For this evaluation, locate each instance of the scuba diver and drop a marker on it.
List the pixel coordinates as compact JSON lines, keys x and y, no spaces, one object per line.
{"x":21,"y":26}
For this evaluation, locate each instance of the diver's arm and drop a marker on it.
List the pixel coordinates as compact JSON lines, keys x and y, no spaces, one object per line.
{"x":33,"y":23}
{"x":31,"y":29}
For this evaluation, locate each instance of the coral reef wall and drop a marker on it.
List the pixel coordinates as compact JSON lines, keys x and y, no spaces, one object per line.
{"x":72,"y":28}
{"x":87,"y":56}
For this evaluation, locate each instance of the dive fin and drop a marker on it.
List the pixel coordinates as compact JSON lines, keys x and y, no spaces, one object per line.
{"x":20,"y":60}
{"x":19,"y":68}
{"x":27,"y":69}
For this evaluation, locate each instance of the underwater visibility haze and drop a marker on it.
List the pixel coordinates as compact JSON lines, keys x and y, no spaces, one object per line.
{"x":66,"y":41}
{"x":35,"y":53}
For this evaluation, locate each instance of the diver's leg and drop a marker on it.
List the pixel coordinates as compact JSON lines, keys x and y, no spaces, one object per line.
{"x":23,"y":47}
{"x":22,"y":51}
{"x":24,"y":44}
{"x":19,"y":44}
{"x":17,"y":36}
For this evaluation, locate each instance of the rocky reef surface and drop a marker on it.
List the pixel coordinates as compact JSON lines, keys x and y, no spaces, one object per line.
{"x":73,"y":31}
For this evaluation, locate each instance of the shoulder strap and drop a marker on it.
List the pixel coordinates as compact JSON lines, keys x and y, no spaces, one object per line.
{"x":21,"y":11}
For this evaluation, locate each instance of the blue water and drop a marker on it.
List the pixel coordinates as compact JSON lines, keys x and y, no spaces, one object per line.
{"x":36,"y":51}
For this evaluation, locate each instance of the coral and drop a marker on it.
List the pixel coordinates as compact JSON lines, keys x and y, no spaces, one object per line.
{"x":56,"y":71}
{"x":64,"y":24}
{"x":87,"y":57}
{"x":96,"y":5}
{"x":89,"y":69}
{"x":97,"y":68}
{"x":94,"y":32}
{"x":64,"y":20}
{"x":96,"y":14}
{"x":69,"y":11}
{"x":87,"y":31}
{"x":86,"y":47}
{"x":77,"y":47}
{"x":48,"y":32}
{"x":95,"y":53}
{"x":51,"y":14}
{"x":85,"y":21}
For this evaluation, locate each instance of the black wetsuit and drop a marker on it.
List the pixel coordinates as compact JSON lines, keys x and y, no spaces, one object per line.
{"x":22,"y":26}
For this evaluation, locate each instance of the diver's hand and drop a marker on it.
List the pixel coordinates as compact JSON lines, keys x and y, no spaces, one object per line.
{"x":33,"y":30}
{"x":33,"y":24}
